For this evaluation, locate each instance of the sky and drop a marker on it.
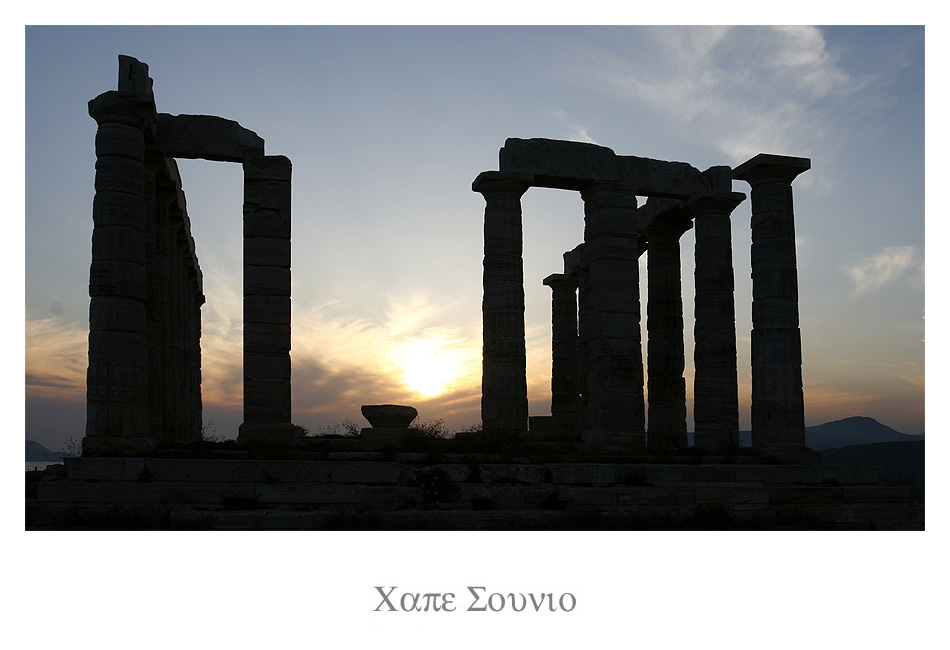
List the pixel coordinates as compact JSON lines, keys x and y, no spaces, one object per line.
{"x":387,"y":127}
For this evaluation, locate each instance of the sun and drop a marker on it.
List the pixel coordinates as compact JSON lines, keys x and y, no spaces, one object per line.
{"x":430,"y":365}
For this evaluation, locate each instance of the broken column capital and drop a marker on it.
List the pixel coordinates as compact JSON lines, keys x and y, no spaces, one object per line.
{"x":561,"y":281}
{"x":717,"y":202}
{"x":489,"y":182}
{"x":766,"y":167}
{"x":126,"y":108}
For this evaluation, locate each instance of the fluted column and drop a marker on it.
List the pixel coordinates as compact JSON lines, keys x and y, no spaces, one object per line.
{"x":611,"y":328}
{"x":778,"y":411}
{"x":666,"y":386}
{"x":565,"y":393}
{"x":504,"y":382}
{"x":267,"y":409}
{"x":117,"y":379}
{"x":715,"y":385}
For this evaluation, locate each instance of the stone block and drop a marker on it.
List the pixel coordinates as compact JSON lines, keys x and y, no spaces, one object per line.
{"x":587,"y":496}
{"x":267,"y":195}
{"x":583,"y":473}
{"x":394,"y":435}
{"x":185,"y":469}
{"x":118,"y":208}
{"x":116,"y":313}
{"x":104,"y":469}
{"x":268,"y":310}
{"x":513,"y":473}
{"x":267,"y":168}
{"x":454,"y":472}
{"x":109,"y":277}
{"x":558,"y":163}
{"x":99,"y":491}
{"x":731,"y":495}
{"x":265,"y":224}
{"x":120,"y":140}
{"x":266,"y":338}
{"x":207,"y":137}
{"x":875,"y":493}
{"x":115,"y":174}
{"x":267,"y":251}
{"x":118,"y":351}
{"x":357,"y":472}
{"x":266,"y":281}
{"x":786,"y":496}
{"x":306,"y":493}
{"x":660,"y":178}
{"x":266,"y":367}
{"x":391,"y":497}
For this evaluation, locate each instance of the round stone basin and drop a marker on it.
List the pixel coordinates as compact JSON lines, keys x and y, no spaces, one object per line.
{"x":389,"y":416}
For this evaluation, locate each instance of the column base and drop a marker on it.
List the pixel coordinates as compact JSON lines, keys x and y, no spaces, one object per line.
{"x":716,"y":440}
{"x":388,"y":434}
{"x":615,"y":438}
{"x":269,"y":432}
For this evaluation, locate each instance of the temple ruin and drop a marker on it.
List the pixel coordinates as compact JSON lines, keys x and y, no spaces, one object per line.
{"x":145,"y":286}
{"x":597,"y":366}
{"x":605,"y":459}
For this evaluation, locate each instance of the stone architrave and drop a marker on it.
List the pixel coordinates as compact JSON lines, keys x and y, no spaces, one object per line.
{"x":267,"y":200}
{"x":504,"y":379}
{"x":715,"y":387}
{"x":778,"y":411}
{"x":609,"y":326}
{"x":666,"y":386}
{"x":565,"y":392}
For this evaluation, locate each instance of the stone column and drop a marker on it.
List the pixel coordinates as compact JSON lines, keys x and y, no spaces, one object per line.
{"x":778,"y":410}
{"x":267,"y":413}
{"x":154,"y":161}
{"x":715,"y":385}
{"x":504,"y":382}
{"x":565,"y":393}
{"x":117,"y":379}
{"x":611,"y":327}
{"x":665,"y":349}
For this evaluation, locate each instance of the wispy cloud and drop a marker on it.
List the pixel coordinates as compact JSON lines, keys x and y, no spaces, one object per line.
{"x":575,"y":132}
{"x":56,"y":358}
{"x":740,"y":89}
{"x":885,"y":267}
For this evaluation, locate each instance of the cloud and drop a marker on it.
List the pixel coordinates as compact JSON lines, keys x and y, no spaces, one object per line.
{"x":56,"y":358}
{"x":575,"y":132}
{"x":742,"y":90}
{"x":885,"y":267}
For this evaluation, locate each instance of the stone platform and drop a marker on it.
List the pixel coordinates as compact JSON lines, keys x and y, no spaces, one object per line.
{"x":421,"y":491}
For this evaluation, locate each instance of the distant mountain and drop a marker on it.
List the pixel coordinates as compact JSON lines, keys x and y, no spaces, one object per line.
{"x":843,"y":433}
{"x":853,"y":431}
{"x":37,"y":453}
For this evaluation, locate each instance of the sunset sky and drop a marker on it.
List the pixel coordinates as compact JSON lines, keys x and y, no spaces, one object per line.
{"x":387,"y":127}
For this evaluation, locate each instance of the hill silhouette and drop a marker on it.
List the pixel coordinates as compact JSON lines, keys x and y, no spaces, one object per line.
{"x":37,"y":453}
{"x":853,"y":431}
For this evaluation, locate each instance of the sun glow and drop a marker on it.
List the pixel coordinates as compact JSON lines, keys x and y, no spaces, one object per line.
{"x":430,"y":365}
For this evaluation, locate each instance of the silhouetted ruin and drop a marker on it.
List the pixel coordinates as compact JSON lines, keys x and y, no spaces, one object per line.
{"x":591,"y":464}
{"x":597,"y":377}
{"x":144,"y":379}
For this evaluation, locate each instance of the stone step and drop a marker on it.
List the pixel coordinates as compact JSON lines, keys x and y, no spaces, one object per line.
{"x":392,"y":472}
